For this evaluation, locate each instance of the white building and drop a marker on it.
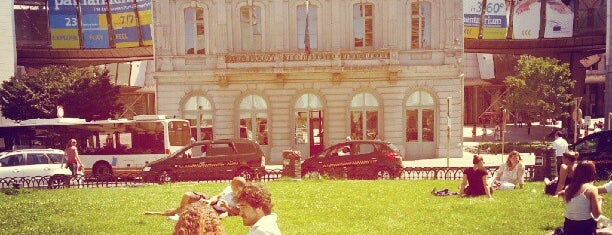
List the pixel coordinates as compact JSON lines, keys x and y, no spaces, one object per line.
{"x":378,"y":69}
{"x":8,"y":60}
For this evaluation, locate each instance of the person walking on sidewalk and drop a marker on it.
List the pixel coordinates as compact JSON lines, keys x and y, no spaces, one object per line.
{"x":474,"y":133}
{"x":484,"y":131}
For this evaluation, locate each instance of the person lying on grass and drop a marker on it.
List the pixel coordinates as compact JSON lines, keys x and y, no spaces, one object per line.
{"x":223,"y":202}
{"x":475,"y":180}
{"x":198,"y":218}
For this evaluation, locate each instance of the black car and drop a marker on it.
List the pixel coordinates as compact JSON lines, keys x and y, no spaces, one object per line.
{"x":597,"y":147}
{"x":359,"y":159}
{"x":209,"y":160}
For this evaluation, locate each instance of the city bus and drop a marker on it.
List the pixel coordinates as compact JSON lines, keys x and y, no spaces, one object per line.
{"x":106,"y":147}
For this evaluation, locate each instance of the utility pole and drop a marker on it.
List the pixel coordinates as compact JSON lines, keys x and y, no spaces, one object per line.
{"x":448,"y":130}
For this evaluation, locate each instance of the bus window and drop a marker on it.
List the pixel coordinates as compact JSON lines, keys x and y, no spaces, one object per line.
{"x":178,"y":132}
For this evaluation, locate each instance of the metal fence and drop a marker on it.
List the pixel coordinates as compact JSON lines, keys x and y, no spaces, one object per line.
{"x":134,"y":179}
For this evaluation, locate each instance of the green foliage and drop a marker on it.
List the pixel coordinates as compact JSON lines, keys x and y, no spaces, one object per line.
{"x":303,"y":207}
{"x":541,"y":89}
{"x":84,"y":93}
{"x":538,"y":148}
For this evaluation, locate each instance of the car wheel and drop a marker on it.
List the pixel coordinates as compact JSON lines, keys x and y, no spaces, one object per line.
{"x":58,"y":181}
{"x":311,"y":174}
{"x":166,"y":177}
{"x":102,"y":169}
{"x":384,"y":174}
{"x":246,"y":173}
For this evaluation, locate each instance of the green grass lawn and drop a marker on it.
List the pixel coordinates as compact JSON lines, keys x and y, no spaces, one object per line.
{"x":304,"y":207}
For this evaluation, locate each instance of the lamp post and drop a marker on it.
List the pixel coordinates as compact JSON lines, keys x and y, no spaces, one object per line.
{"x":448,"y":130}
{"x":576,"y":117}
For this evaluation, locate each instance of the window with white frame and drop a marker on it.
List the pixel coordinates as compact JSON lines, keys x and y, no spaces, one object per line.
{"x":420,"y":24}
{"x":199,"y":108}
{"x":250,"y":26}
{"x":312,"y":26}
{"x":364,"y":117}
{"x":363,"y":25}
{"x":195,"y":38}
{"x":254,"y":119}
{"x":420,"y":117}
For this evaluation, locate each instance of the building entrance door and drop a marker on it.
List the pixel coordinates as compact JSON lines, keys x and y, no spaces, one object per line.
{"x":316,"y":132}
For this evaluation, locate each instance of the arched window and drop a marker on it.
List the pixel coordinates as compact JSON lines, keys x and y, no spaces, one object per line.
{"x":308,"y":116}
{"x":420,"y":117}
{"x":254,"y":119}
{"x":364,"y":116}
{"x":420,"y":25}
{"x":199,"y":111}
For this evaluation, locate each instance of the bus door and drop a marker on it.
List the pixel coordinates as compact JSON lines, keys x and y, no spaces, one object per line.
{"x":316,"y":132}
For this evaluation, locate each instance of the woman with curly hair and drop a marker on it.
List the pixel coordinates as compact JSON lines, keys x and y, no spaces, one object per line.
{"x":510,"y":174}
{"x":198,"y":218}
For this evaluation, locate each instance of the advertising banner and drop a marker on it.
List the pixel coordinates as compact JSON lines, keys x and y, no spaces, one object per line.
{"x":496,"y":20}
{"x":471,"y":18}
{"x":94,"y":24}
{"x":486,"y":66}
{"x":526,"y":19}
{"x":146,"y":19}
{"x":124,"y":23}
{"x":559,"y":18}
{"x":63,"y":24}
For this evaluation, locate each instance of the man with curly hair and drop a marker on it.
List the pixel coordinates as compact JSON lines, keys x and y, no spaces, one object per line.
{"x":198,"y":218}
{"x":255,"y":203}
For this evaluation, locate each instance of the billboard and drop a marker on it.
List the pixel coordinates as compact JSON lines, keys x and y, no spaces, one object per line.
{"x":496,"y":20}
{"x":124,"y":23}
{"x":471,"y":18}
{"x":63,"y":24}
{"x":559,"y":18}
{"x":526,"y":20}
{"x":130,"y":22}
{"x":94,"y":24}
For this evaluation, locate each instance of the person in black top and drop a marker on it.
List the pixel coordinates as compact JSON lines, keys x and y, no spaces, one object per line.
{"x":475,"y":180}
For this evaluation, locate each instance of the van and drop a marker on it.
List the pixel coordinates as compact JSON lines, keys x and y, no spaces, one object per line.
{"x":209,"y":160}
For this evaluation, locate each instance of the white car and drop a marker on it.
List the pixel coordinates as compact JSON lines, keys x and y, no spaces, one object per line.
{"x":20,"y":165}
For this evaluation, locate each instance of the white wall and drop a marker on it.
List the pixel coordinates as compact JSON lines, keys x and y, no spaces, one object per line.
{"x":8,"y":58}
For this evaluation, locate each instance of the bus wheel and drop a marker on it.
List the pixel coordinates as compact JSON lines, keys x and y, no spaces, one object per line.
{"x":102,"y":169}
{"x":166,"y":177}
{"x":246,"y":173}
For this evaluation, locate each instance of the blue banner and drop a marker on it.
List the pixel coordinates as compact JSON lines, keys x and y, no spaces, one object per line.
{"x":124,"y":23}
{"x":146,"y":19}
{"x":63,"y":24}
{"x":94,"y":24}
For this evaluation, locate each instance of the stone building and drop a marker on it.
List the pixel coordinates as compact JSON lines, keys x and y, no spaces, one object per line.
{"x":305,"y":75}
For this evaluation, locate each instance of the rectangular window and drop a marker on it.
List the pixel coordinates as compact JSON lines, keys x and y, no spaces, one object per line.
{"x":590,"y":18}
{"x":301,"y":128}
{"x":195,"y":41}
{"x":312,"y":26}
{"x":250,"y":26}
{"x":420,"y":25}
{"x":356,"y":125}
{"x":372,"y":125}
{"x":363,"y":25}
{"x":412,"y":125}
{"x":428,"y":125}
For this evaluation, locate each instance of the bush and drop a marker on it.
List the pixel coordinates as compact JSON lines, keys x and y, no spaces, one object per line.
{"x":537,"y":148}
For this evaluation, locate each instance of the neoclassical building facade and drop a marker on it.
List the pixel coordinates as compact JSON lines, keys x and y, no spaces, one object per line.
{"x":303,"y":75}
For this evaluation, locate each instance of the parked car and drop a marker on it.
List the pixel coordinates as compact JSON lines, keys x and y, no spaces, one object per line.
{"x":209,"y":160}
{"x":358,"y":159}
{"x":597,"y":147}
{"x":29,"y":163}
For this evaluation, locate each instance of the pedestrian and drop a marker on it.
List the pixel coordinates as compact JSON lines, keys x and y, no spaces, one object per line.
{"x":560,"y":146}
{"x":255,"y":203}
{"x":71,"y":157}
{"x":529,"y":128}
{"x":484,"y":131}
{"x":497,"y":133}
{"x":474,"y":132}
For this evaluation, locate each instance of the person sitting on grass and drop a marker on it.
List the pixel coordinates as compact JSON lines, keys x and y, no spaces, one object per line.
{"x":566,"y":173}
{"x":475,"y":180}
{"x":198,"y":218}
{"x":581,"y":198}
{"x":223,"y":203}
{"x":510,"y":174}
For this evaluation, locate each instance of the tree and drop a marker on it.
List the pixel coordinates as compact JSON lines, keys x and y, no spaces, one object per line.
{"x":84,"y":92}
{"x":541,"y":89}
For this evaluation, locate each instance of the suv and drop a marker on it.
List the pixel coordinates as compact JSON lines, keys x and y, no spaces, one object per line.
{"x":209,"y":160}
{"x":597,"y":147}
{"x":359,"y":159}
{"x":30,"y":163}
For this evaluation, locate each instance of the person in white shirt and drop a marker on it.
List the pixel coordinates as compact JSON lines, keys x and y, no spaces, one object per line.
{"x":255,"y":203}
{"x":510,"y":174}
{"x":560,"y":146}
{"x":582,"y":207}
